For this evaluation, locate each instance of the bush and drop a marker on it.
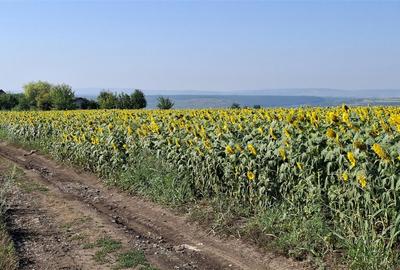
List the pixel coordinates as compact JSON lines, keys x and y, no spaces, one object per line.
{"x":107,"y":100}
{"x":62,"y":97}
{"x":164,"y":103}
{"x":85,"y":104}
{"x":138,"y":100}
{"x":124,"y":101}
{"x":235,"y":106}
{"x":38,"y":94}
{"x":8,"y":101}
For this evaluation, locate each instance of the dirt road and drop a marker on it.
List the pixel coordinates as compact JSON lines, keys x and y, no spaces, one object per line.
{"x":59,"y":218}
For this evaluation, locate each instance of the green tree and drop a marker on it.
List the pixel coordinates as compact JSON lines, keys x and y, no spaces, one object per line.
{"x":107,"y":100}
{"x":62,"y":97}
{"x":8,"y":101}
{"x":43,"y":101}
{"x":92,"y":105}
{"x":23,"y":103}
{"x":235,"y":105}
{"x":124,"y":101}
{"x":164,"y":103}
{"x":38,"y":94}
{"x":85,"y":104}
{"x":138,"y":100}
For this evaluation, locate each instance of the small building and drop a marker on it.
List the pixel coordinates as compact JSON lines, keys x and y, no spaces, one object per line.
{"x":2,"y":91}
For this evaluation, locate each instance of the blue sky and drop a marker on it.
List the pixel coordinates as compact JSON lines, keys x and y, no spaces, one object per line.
{"x":201,"y":45}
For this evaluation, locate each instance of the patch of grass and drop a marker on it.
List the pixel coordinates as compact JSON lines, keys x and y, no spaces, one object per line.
{"x":78,"y":237}
{"x":88,"y":245}
{"x":76,"y":222}
{"x":101,"y":256}
{"x":31,"y":186}
{"x":107,"y":245}
{"x":293,"y":233}
{"x":8,"y":258}
{"x":369,"y":252}
{"x":4,"y":135}
{"x":220,"y":215}
{"x":124,"y":260}
{"x":18,"y":177}
{"x":133,"y":258}
{"x":277,"y":228}
{"x":148,"y":175}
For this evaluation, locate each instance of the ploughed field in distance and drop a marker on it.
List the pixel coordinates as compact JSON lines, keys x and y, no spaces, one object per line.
{"x":339,"y":167}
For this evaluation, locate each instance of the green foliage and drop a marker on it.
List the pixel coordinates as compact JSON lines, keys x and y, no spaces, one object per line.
{"x":134,"y":101}
{"x":13,"y":102}
{"x":85,"y":104}
{"x":138,"y":100}
{"x":148,"y":175}
{"x":107,"y":100}
{"x":43,"y":101}
{"x":124,"y":101}
{"x":8,"y":258}
{"x":38,"y":94}
{"x":164,"y":103}
{"x":291,"y":231}
{"x":235,"y":106}
{"x":62,"y":97}
{"x":133,"y":258}
{"x":108,"y":244}
{"x":42,"y":95}
{"x":293,"y":162}
{"x":8,"y":101}
{"x":23,"y":103}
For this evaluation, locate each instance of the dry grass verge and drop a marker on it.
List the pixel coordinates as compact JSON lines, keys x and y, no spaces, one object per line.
{"x":8,"y":258}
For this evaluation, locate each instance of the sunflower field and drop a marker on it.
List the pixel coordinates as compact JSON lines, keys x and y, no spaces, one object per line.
{"x":342,"y":162}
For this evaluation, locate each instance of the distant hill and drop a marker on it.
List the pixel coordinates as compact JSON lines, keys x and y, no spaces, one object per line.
{"x":311,"y":92}
{"x":224,"y":101}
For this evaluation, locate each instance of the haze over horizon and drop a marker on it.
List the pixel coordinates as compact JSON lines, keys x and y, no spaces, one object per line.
{"x":317,"y":92}
{"x":202,"y":46}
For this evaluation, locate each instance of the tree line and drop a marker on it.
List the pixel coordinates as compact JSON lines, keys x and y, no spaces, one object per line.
{"x":42,"y":95}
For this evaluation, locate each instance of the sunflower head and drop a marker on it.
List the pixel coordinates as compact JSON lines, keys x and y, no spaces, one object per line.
{"x":282,"y":153}
{"x":229,"y":150}
{"x":330,"y":133}
{"x":345,"y":176}
{"x":352,"y":159}
{"x":251,"y":176}
{"x":251,"y":149}
{"x":362,"y":179}
{"x":380,"y":151}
